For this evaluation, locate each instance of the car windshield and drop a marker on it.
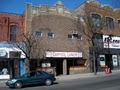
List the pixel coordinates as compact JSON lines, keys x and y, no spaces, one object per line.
{"x":30,"y":74}
{"x":24,"y":75}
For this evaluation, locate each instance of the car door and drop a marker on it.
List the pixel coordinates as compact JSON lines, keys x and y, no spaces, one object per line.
{"x":40,"y":77}
{"x":29,"y":78}
{"x":33,"y":78}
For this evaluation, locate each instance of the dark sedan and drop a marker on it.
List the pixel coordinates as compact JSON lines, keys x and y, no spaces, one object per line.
{"x":30,"y":78}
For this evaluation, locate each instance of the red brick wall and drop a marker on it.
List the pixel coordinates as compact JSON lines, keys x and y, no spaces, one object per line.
{"x":7,"y":19}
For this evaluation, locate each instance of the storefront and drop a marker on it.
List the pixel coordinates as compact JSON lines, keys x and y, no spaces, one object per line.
{"x":64,"y":63}
{"x":109,"y":55}
{"x":11,"y":61}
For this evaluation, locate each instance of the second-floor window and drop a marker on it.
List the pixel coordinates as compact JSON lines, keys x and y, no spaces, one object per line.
{"x":110,"y":23}
{"x":0,"y":27}
{"x":50,"y":35}
{"x":13,"y":29}
{"x":119,"y":24}
{"x":79,"y":37}
{"x":96,"y":18}
{"x":38,"y":34}
{"x":70,"y":36}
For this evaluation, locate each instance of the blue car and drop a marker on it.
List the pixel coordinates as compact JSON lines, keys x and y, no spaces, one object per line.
{"x":30,"y":78}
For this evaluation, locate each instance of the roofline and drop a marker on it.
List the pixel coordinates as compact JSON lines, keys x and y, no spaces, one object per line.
{"x":10,"y":13}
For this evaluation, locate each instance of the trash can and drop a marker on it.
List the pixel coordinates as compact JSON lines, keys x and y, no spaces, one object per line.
{"x":107,"y":70}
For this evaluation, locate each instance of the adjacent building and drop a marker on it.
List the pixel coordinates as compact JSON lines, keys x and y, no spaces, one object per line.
{"x":106,"y":39}
{"x":11,"y":57}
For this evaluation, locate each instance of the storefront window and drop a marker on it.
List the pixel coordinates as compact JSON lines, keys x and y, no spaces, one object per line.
{"x":4,"y":67}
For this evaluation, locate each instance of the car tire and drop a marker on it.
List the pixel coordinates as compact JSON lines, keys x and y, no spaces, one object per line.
{"x":18,"y":84}
{"x":48,"y":82}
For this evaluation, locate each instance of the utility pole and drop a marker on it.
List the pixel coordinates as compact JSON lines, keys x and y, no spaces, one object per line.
{"x":109,"y":62}
{"x":94,"y":61}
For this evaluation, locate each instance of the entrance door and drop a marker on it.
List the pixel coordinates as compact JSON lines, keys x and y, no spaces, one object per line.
{"x":109,"y":60}
{"x":59,"y":67}
{"x":14,"y":67}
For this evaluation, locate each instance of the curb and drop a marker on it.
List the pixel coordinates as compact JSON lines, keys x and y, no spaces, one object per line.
{"x":84,"y":75}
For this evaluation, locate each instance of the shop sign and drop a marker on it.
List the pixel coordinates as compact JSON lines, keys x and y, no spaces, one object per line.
{"x":114,"y":59}
{"x":46,"y":65}
{"x":2,"y":53}
{"x":114,"y":42}
{"x":64,"y":54}
{"x":102,"y":60}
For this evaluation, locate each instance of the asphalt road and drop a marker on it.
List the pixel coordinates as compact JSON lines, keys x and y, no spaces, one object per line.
{"x":110,"y":82}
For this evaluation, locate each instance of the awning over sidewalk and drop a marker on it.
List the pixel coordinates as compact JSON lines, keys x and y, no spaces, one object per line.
{"x":10,"y":51}
{"x":7,"y":52}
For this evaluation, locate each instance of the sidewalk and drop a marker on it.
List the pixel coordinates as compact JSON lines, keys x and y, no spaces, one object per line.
{"x":84,"y":75}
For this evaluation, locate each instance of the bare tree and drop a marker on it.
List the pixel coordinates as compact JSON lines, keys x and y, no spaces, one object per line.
{"x":30,"y":47}
{"x":91,"y":25}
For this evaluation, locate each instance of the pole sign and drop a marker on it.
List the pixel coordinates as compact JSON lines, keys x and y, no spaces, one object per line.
{"x":114,"y":59}
{"x":102,"y":60}
{"x":113,"y":42}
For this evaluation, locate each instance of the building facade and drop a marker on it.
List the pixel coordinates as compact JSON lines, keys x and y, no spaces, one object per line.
{"x":106,"y":41}
{"x":11,"y":57}
{"x":65,"y":46}
{"x":56,"y":29}
{"x":60,"y":41}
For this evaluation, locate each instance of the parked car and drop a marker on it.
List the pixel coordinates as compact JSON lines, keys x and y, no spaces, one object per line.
{"x":30,"y":78}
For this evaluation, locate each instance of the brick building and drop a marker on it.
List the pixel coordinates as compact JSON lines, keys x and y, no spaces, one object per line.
{"x":11,"y":29}
{"x":106,"y":41}
{"x":55,"y":28}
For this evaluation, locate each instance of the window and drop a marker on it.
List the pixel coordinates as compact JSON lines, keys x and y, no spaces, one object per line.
{"x":96,"y":20}
{"x":14,"y":54}
{"x":50,"y":35}
{"x":38,"y":73}
{"x":38,"y":34}
{"x":119,"y":24}
{"x":13,"y":32}
{"x":70,"y":36}
{"x":79,"y":37}
{"x":4,"y":67}
{"x":0,"y":27}
{"x":110,"y":23}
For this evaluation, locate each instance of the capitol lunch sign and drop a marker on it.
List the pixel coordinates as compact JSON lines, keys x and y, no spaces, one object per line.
{"x":64,"y":54}
{"x":114,"y":42}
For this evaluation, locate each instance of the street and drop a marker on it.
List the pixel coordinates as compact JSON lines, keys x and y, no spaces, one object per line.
{"x":110,"y":82}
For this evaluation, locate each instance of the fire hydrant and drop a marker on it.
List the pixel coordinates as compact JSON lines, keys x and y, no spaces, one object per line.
{"x":107,"y":70}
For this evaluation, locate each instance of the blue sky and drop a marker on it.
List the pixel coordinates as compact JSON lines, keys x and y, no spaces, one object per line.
{"x":18,"y":6}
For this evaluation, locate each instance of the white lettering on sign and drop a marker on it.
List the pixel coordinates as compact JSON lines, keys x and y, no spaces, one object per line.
{"x":64,"y":54}
{"x":113,"y":42}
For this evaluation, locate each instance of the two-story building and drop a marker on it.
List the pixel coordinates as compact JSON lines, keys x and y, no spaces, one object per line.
{"x":11,"y":57}
{"x":106,"y":39}
{"x":56,"y":29}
